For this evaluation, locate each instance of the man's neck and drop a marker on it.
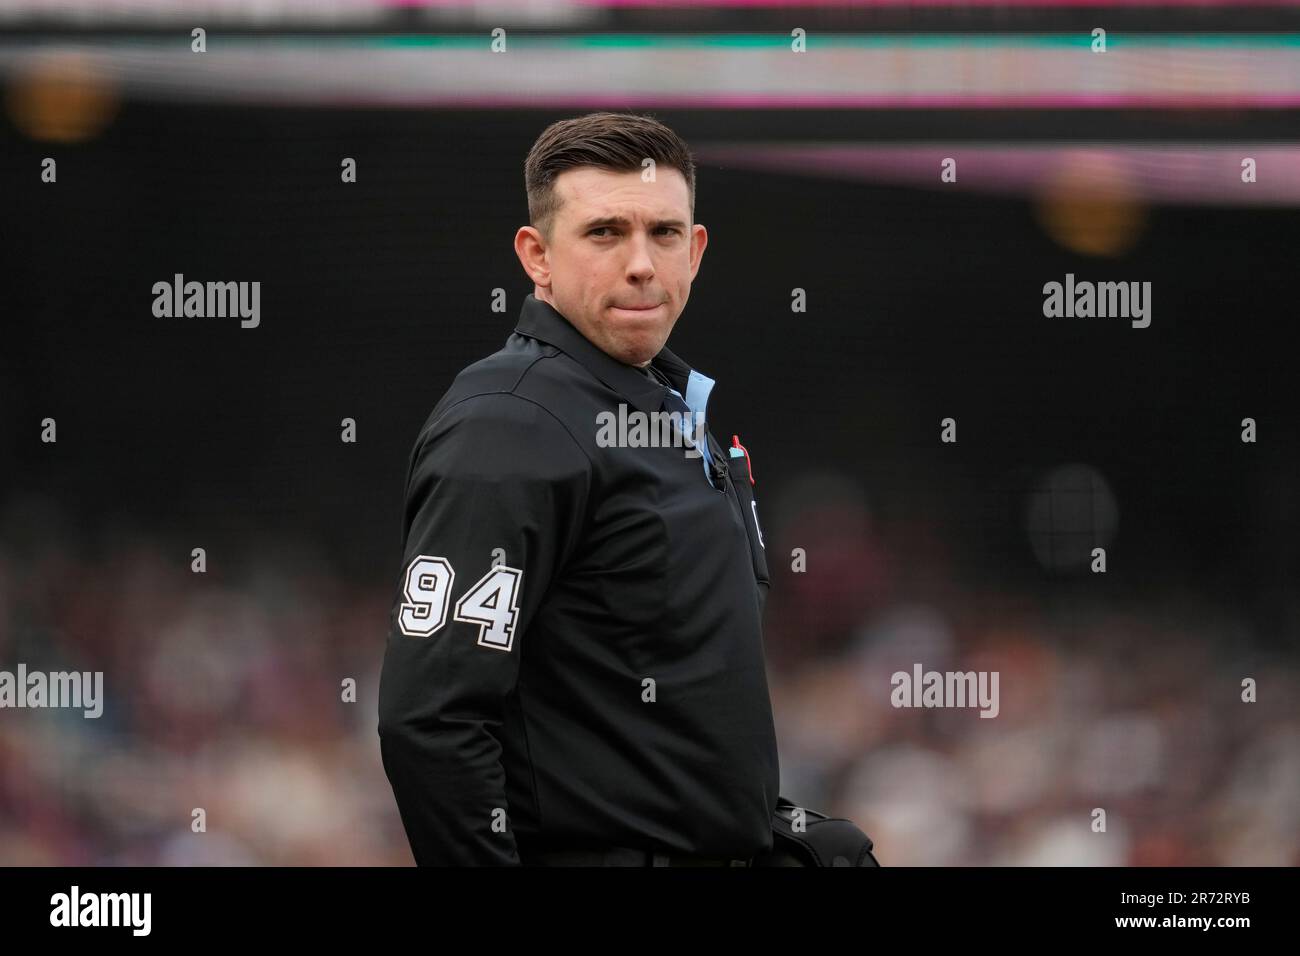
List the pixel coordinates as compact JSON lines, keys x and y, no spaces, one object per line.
{"x":655,"y":375}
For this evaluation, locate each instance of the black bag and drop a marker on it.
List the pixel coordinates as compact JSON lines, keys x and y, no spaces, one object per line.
{"x":824,"y":841}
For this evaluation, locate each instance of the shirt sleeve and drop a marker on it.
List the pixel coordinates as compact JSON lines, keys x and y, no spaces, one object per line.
{"x":493,"y":472}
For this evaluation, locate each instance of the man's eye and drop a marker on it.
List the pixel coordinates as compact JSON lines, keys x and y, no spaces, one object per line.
{"x":673,"y":230}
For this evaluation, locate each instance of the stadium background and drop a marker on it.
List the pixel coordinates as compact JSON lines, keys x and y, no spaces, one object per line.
{"x":924,"y":301}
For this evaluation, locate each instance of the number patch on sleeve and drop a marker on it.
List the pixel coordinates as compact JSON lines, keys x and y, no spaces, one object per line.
{"x":492,"y":602}
{"x":428,"y":592}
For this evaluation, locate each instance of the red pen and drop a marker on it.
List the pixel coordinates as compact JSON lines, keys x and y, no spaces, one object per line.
{"x":735,"y":443}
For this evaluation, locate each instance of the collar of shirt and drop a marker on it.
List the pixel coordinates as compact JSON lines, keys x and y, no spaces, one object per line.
{"x":540,"y":320}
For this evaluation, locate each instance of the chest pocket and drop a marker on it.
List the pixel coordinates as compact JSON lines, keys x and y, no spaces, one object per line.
{"x":739,"y":479}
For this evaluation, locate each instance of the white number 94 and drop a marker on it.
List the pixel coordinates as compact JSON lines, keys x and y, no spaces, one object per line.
{"x":492,"y":603}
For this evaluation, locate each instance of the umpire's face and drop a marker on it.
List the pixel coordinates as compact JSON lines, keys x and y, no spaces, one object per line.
{"x":620,"y":258}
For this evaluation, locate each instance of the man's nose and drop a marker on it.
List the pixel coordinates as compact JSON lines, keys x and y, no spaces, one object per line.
{"x":639,"y":262}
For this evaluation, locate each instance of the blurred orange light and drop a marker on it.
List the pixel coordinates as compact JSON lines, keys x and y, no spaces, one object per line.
{"x":62,"y":98}
{"x":1090,"y":204}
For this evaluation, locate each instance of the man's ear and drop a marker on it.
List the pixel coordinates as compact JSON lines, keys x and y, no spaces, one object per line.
{"x":699,"y":239}
{"x":530,"y":247}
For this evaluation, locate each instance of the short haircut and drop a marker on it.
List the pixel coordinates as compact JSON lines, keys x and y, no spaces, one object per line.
{"x":616,"y":141}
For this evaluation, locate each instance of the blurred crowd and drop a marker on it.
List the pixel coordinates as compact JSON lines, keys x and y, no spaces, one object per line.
{"x":224,"y":693}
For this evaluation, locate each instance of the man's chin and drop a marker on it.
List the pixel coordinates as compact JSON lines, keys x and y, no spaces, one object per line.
{"x":639,"y":356}
{"x":634,"y":346}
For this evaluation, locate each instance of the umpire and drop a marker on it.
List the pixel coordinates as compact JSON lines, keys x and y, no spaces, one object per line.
{"x":574,"y":671}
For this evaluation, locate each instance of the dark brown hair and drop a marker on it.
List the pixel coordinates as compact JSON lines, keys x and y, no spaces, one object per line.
{"x":614,"y":141}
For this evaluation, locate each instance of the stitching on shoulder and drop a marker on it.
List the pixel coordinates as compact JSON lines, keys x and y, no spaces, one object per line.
{"x":577,"y":444}
{"x":550,"y":351}
{"x":514,"y":394}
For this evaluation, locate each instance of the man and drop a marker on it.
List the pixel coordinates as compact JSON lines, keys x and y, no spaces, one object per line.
{"x":574,"y":671}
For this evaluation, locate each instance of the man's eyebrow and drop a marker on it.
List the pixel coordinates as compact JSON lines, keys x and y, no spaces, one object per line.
{"x":624,"y":221}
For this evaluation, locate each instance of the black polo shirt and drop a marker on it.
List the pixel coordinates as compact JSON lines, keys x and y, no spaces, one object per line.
{"x":575,"y":653}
